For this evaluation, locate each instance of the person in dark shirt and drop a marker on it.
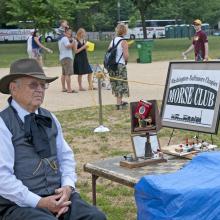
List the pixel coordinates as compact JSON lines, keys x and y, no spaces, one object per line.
{"x":199,"y":44}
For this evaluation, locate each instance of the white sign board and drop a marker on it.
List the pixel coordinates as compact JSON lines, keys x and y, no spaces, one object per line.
{"x":191,"y":97}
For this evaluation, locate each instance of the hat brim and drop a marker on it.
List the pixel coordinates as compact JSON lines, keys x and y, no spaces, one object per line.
{"x":5,"y":81}
{"x":197,"y":23}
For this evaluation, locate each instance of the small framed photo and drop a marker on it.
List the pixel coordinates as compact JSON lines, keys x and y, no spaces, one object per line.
{"x":145,"y":117}
{"x":192,"y":96}
{"x":138,"y":143}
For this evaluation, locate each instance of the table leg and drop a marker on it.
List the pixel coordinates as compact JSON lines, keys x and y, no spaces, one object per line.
{"x":94,"y":178}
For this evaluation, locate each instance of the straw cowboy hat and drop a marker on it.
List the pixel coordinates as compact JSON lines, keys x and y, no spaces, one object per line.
{"x":21,"y":68}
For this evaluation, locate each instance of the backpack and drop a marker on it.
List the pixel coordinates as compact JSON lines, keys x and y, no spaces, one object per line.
{"x":110,"y":57}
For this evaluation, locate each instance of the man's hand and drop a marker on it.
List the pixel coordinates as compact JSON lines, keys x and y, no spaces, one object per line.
{"x":51,"y":203}
{"x":65,"y":193}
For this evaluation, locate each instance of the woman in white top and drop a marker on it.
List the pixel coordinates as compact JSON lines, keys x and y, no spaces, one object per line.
{"x":120,"y":88}
{"x":29,"y":43}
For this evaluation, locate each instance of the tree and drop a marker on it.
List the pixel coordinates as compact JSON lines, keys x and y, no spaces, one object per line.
{"x":105,"y":15}
{"x":44,"y":14}
{"x":142,"y":6}
{"x":187,"y":10}
{"x":3,"y":12}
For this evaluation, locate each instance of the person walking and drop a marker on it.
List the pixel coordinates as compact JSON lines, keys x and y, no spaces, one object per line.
{"x":37,"y":46}
{"x":66,"y":45}
{"x":81,"y":63}
{"x":199,"y":43}
{"x":38,"y":177}
{"x":120,"y":88}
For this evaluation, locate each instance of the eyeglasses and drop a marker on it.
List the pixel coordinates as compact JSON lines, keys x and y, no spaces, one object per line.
{"x":34,"y":84}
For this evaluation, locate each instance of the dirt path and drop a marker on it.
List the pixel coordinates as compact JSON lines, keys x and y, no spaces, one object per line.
{"x":153,"y":73}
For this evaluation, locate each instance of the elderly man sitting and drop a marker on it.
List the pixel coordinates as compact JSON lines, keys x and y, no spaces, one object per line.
{"x":37,"y":178}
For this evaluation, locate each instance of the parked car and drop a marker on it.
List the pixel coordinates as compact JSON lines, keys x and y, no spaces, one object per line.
{"x":217,"y":33}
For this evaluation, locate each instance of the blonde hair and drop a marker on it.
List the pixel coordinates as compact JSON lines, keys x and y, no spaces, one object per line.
{"x":121,"y":29}
{"x":80,"y":33}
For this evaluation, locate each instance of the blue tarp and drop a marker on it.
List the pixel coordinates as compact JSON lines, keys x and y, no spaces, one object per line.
{"x":192,"y":193}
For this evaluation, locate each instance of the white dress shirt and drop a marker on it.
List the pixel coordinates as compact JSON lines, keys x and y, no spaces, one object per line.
{"x":12,"y":188}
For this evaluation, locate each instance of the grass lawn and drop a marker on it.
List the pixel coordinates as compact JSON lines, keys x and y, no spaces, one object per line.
{"x":116,"y":200}
{"x":164,"y":49}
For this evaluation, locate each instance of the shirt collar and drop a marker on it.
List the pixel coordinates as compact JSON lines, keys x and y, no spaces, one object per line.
{"x":20,"y":110}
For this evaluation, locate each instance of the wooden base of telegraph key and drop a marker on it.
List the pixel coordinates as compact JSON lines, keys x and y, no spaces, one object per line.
{"x":140,"y":163}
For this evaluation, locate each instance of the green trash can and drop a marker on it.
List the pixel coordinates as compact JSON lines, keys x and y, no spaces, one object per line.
{"x":144,"y":48}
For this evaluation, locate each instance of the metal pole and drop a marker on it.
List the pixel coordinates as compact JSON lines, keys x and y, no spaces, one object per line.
{"x":100,"y":102}
{"x":101,"y":128}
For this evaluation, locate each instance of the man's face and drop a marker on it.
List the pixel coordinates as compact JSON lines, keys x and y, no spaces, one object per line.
{"x":68,"y":34}
{"x":197,"y":27}
{"x":28,"y":92}
{"x":64,"y":24}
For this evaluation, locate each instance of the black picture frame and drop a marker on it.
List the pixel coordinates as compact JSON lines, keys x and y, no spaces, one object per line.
{"x":191,"y":97}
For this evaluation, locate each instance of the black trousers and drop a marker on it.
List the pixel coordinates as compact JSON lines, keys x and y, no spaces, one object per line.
{"x":79,"y":210}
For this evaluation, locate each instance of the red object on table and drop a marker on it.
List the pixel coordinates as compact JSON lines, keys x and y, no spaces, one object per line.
{"x":143,"y":109}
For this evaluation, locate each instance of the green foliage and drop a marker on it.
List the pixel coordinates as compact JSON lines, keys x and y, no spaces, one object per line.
{"x":3,"y":12}
{"x":142,"y":6}
{"x":44,"y":14}
{"x":102,"y":15}
{"x":207,"y":11}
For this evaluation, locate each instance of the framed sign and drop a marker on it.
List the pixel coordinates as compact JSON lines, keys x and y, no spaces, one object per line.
{"x":138,"y":143}
{"x":192,"y":96}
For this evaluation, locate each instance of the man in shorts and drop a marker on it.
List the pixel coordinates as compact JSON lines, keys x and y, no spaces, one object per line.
{"x":66,"y":45}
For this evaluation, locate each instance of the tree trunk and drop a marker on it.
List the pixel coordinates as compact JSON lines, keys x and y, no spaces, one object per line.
{"x":142,"y":13}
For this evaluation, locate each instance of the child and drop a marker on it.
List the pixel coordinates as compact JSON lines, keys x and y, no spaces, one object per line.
{"x":60,"y":31}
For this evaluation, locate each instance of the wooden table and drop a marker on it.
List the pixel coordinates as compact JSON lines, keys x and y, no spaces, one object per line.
{"x":111,"y":170}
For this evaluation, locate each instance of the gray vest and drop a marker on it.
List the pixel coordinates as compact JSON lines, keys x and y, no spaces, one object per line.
{"x":41,"y":176}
